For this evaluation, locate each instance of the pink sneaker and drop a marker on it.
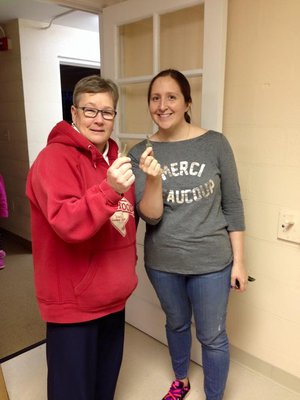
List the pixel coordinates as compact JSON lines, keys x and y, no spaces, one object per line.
{"x":2,"y":256}
{"x":177,"y":391}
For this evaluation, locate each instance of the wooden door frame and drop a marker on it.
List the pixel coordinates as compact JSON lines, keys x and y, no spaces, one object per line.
{"x":3,"y":390}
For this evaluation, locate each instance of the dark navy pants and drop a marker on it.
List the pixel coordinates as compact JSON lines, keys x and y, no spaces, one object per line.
{"x":84,"y":359}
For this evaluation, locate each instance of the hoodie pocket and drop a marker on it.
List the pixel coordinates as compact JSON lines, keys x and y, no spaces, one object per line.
{"x":109,"y":281}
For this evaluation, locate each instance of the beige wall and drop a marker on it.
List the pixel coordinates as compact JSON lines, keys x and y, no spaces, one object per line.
{"x":262,"y":122}
{"x":13,"y":136}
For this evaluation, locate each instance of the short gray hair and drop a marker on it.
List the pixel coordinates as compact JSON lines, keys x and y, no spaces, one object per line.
{"x":95,"y":84}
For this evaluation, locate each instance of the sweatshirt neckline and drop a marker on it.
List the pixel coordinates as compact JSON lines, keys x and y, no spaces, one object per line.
{"x":188,"y":140}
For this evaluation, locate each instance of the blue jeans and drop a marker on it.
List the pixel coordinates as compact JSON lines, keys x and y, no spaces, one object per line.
{"x":206,"y":296}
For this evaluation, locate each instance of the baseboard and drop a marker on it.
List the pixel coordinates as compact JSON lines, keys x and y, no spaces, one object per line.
{"x":270,"y":371}
{"x":17,"y":239}
{"x":18,"y":353}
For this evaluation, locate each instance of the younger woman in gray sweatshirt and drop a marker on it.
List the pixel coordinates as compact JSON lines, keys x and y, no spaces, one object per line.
{"x":190,"y":200}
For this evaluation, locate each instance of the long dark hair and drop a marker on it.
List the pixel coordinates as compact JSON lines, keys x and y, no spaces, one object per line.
{"x":182,"y":82}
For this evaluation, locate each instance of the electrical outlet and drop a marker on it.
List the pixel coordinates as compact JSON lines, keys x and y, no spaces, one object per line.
{"x":289,"y":226}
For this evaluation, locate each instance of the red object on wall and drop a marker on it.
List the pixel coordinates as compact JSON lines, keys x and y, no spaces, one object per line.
{"x":4,"y":44}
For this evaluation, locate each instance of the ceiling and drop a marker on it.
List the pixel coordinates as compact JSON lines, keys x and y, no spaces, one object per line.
{"x":49,"y":12}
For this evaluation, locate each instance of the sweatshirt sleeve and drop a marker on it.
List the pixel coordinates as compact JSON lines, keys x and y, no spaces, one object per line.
{"x":56,"y":186}
{"x":232,"y":205}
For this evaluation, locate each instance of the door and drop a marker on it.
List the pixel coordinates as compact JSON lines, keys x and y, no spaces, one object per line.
{"x":138,"y":39}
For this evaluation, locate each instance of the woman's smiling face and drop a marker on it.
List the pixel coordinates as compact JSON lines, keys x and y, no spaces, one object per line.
{"x":166,"y":104}
{"x":97,"y":130}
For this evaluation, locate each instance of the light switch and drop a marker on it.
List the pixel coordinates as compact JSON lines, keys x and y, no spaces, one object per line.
{"x":289,"y":226}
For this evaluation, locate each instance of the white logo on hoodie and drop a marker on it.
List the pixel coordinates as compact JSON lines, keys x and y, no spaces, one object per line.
{"x":120,"y":218}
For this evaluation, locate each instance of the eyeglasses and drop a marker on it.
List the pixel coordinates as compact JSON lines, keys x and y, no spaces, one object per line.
{"x":88,"y":112}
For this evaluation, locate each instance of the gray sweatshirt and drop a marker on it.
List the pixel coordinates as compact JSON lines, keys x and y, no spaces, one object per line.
{"x":202,"y":203}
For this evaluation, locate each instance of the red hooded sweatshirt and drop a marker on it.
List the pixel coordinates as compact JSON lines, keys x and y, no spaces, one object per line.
{"x":83,"y":232}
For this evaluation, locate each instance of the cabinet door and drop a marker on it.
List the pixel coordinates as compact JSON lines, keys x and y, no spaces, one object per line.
{"x":138,"y":39}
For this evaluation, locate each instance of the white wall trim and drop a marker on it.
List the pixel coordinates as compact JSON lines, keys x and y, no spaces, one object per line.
{"x":78,"y":62}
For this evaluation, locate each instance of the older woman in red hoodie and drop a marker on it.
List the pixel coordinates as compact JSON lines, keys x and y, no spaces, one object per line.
{"x":83,"y":237}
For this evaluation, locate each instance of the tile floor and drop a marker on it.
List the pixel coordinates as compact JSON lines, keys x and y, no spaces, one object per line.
{"x":145,"y":374}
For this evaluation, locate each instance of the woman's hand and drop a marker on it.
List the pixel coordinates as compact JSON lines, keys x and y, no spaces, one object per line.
{"x":149,"y":165}
{"x":239,"y":277}
{"x":151,"y":204}
{"x":119,"y":175}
